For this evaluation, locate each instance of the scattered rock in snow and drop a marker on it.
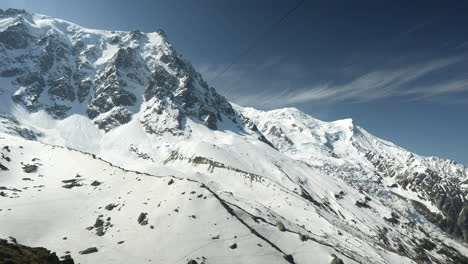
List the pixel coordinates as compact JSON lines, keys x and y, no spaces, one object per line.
{"x":393,"y":219}
{"x":192,"y":262}
{"x":427,"y":244}
{"x":142,"y":220}
{"x":171,"y":181}
{"x":100,"y":231}
{"x":340,"y":195}
{"x":3,"y":168}
{"x":109,"y":207}
{"x":71,"y":183}
{"x":280,"y":226}
{"x":336,"y":260}
{"x":289,"y":258}
{"x":29,"y":168}
{"x":89,"y":251}
{"x":67,"y":259}
{"x":303,"y":237}
{"x":233,"y":246}
{"x":362,"y":204}
{"x":98,"y":223}
{"x":96,"y":183}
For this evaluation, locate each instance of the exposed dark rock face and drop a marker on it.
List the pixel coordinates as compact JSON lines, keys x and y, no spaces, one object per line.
{"x":16,"y":36}
{"x":463,"y":222}
{"x":442,"y":188}
{"x":13,"y":127}
{"x":112,"y":95}
{"x":33,"y":85}
{"x":61,"y":72}
{"x":20,"y":254}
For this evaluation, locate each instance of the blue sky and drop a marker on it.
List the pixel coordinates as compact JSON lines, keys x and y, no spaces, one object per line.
{"x":398,"y":68}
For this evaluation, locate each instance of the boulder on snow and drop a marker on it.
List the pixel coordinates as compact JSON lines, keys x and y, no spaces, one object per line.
{"x":89,"y":251}
{"x":280,"y":226}
{"x":109,"y":207}
{"x":303,"y":237}
{"x":233,"y":246}
{"x":100,"y":231}
{"x":3,"y":168}
{"x":71,"y":183}
{"x":289,"y":258}
{"x":336,"y":260}
{"x":99,"y":223}
{"x":142,"y":219}
{"x":96,"y":183}
{"x":28,"y":168}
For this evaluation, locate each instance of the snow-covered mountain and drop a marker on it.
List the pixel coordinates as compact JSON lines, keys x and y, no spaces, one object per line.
{"x":115,"y":146}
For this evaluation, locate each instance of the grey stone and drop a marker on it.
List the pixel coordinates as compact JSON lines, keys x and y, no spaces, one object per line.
{"x":29,"y":168}
{"x":89,"y":251}
{"x":142,"y":218}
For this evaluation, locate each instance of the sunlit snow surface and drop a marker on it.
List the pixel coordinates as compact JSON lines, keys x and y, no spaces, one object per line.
{"x":203,"y":183}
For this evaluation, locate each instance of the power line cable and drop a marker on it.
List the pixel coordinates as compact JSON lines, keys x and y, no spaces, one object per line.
{"x":259,"y":38}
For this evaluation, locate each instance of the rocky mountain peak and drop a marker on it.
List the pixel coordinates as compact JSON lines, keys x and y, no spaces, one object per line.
{"x":12,"y":12}
{"x":109,"y":76}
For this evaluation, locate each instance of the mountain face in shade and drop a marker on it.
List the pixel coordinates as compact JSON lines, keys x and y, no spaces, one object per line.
{"x":114,"y":149}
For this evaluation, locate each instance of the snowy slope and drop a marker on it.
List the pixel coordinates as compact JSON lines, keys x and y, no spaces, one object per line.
{"x":342,"y":149}
{"x":305,"y":190}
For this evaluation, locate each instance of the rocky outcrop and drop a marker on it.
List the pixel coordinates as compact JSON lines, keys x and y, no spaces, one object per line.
{"x":89,"y":251}
{"x":16,"y":35}
{"x":442,"y":188}
{"x":110,"y":76}
{"x":13,"y":253}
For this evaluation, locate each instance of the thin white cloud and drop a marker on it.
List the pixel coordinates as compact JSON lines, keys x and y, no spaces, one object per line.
{"x":370,"y":86}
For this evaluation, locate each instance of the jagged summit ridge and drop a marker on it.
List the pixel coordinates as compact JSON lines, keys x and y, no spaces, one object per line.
{"x":114,"y":128}
{"x":62,"y":68}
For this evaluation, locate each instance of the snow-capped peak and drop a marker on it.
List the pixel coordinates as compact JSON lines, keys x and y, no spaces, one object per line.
{"x":212,"y":181}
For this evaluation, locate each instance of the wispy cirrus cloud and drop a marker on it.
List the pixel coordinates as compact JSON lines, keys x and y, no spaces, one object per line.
{"x":239,"y":86}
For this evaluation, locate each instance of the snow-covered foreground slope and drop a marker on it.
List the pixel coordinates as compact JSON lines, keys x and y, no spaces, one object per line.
{"x":276,"y":187}
{"x":184,"y":220}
